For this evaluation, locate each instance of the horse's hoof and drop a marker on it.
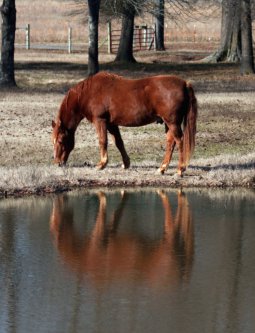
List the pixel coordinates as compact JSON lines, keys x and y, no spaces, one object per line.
{"x":163,"y":168}
{"x":125,"y":166}
{"x":180,"y":173}
{"x":161,"y":171}
{"x":100,"y":166}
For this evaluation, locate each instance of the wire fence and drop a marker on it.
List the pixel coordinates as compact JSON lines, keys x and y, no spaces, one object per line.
{"x":144,"y":39}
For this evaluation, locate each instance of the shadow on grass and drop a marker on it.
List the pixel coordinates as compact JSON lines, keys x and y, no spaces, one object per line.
{"x":155,"y":67}
{"x":225,"y":166}
{"x":206,"y":77}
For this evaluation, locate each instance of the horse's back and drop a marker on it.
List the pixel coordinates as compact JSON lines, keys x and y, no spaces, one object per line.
{"x":108,"y":80}
{"x":135,"y":102}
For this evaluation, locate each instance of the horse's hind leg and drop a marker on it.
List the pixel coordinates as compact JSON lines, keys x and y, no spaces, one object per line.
{"x":114,"y":131}
{"x":170,"y":144}
{"x":102,"y":136}
{"x":178,"y":138}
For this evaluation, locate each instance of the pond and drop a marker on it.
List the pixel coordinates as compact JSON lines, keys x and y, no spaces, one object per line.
{"x":128,"y":261}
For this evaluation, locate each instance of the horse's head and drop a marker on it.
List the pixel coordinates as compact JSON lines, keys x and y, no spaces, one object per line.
{"x":63,"y":142}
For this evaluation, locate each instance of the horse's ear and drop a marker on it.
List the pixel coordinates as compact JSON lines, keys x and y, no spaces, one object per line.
{"x":53,"y":124}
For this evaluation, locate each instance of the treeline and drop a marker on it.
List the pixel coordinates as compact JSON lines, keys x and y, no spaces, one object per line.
{"x":236,"y":29}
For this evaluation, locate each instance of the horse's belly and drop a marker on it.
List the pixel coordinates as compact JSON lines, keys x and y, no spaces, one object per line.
{"x":129,"y":119}
{"x":135,"y":123}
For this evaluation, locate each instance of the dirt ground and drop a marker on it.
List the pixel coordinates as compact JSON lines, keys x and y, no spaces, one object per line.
{"x":225,"y":138}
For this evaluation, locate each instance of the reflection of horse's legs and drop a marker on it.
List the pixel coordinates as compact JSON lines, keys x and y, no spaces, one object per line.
{"x":100,"y":125}
{"x":117,"y":214}
{"x":184,"y":219}
{"x":184,"y":227}
{"x":182,"y":208}
{"x":168,"y":227}
{"x":55,"y":219}
{"x":114,"y":131}
{"x":61,"y":221}
{"x":99,"y":228}
{"x":170,"y":144}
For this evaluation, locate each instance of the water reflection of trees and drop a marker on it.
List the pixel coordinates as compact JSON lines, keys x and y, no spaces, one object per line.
{"x":9,"y":271}
{"x":108,"y":253}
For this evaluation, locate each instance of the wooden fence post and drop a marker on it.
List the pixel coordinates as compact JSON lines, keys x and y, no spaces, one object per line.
{"x":109,"y":33}
{"x":69,"y":39}
{"x":28,"y":36}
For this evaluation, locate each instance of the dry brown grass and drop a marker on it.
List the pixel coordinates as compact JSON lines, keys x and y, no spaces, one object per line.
{"x":224,"y":154}
{"x":223,"y":171}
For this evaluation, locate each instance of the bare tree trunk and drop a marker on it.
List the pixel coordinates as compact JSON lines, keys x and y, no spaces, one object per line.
{"x":160,"y":25}
{"x":93,"y":65}
{"x":8,"y":11}
{"x":125,"y":49}
{"x":230,"y":44}
{"x":247,"y":59}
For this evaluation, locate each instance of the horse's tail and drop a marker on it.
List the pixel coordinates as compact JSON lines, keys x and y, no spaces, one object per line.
{"x":189,"y":130}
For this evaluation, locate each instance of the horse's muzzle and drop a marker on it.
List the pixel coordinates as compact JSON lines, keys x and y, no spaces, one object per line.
{"x":60,"y":164}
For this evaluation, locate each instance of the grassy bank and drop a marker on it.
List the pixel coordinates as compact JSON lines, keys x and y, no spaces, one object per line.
{"x":224,"y":154}
{"x":223,"y":171}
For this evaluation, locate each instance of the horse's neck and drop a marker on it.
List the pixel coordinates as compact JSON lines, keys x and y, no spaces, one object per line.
{"x":81,"y":96}
{"x":83,"y":89}
{"x":71,"y":115}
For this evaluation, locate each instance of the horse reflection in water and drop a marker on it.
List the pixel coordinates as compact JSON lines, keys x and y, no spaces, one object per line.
{"x":107,"y":255}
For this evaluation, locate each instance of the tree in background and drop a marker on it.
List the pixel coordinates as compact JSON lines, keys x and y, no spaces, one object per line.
{"x":126,"y":10}
{"x":236,"y":35}
{"x":247,"y":58}
{"x":231,"y":46}
{"x":8,"y":12}
{"x":230,"y":41}
{"x":93,"y":13}
{"x":159,"y":25}
{"x":130,"y":8}
{"x":179,"y":11}
{"x":125,"y":49}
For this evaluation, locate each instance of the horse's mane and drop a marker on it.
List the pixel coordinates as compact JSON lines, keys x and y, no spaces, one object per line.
{"x":109,"y":75}
{"x":84,"y":85}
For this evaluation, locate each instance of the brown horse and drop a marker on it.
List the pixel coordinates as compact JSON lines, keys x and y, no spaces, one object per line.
{"x":109,"y":101}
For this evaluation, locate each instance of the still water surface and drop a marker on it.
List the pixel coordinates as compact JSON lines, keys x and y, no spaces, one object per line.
{"x":128,"y":261}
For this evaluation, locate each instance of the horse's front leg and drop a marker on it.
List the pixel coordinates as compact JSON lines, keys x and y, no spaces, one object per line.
{"x":101,"y":129}
{"x":114,"y":131}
